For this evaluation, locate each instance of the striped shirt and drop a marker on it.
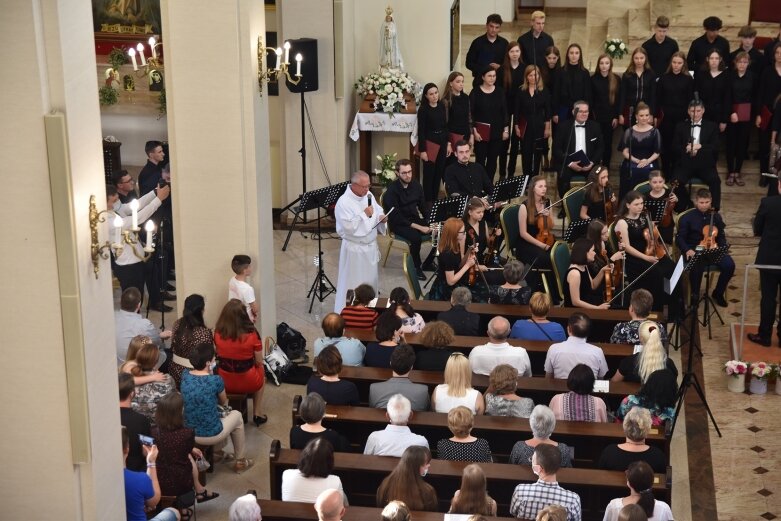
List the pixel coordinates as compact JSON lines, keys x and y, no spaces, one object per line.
{"x":359,"y":317}
{"x":530,"y":498}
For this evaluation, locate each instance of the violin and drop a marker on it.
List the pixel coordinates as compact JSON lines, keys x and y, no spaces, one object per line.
{"x":667,"y":218}
{"x":608,"y":278}
{"x":709,"y":233}
{"x":610,"y":209}
{"x":472,"y":247}
{"x":617,"y":273}
{"x":544,"y":226}
{"x":492,"y":255}
{"x":654,"y":246}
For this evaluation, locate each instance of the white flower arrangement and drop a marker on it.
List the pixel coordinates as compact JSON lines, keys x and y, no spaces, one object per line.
{"x":735,"y":368}
{"x":386,"y":174}
{"x":389,"y":86}
{"x":615,"y":48}
{"x":761,"y":370}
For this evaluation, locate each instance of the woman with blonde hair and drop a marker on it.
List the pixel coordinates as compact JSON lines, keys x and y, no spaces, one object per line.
{"x":457,"y":389}
{"x":147,"y":395}
{"x":463,"y":446}
{"x":653,"y":357}
{"x":538,"y":327}
{"x":396,"y":511}
{"x":472,"y":497}
{"x":500,"y":398}
{"x":436,"y":338}
{"x":552,"y":513}
{"x":533,"y":113}
{"x":528,"y":249}
{"x":618,"y":456}
{"x":136,"y":343}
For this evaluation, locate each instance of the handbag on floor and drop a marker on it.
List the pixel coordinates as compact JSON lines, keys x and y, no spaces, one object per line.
{"x":275,"y":361}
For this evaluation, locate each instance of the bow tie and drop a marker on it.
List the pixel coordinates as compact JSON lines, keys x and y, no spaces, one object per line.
{"x":580,"y":125}
{"x":696,"y":125}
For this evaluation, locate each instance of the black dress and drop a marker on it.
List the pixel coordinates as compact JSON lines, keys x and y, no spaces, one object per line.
{"x":459,"y":117}
{"x":529,"y":253}
{"x":665,"y":232}
{"x":509,"y":155}
{"x":604,"y":112}
{"x":440,"y":289}
{"x":299,"y":438}
{"x":673,"y":93}
{"x":489,"y":108}
{"x":596,"y":209}
{"x":714,"y":92}
{"x":340,"y":392}
{"x":741,"y":94}
{"x":587,"y":294}
{"x":635,"y":89}
{"x":432,"y":126}
{"x":534,"y":111}
{"x":573,"y":84}
{"x":641,"y":145}
{"x":653,"y":280}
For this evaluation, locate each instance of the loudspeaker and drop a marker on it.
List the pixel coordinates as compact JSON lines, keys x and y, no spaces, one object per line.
{"x":308,"y":49}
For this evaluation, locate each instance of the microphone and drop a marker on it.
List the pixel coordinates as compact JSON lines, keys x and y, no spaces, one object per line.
{"x":370,"y":200}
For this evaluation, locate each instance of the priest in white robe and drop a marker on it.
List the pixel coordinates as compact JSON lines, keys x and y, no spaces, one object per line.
{"x":357,"y":216}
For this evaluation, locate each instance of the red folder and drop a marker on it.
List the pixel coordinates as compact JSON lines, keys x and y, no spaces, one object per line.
{"x":743,"y":110}
{"x":627,"y":119}
{"x":659,"y":118}
{"x":522,"y":124}
{"x":455,"y":138}
{"x":484,"y":130}
{"x":432,"y":150}
{"x":764,"y":117}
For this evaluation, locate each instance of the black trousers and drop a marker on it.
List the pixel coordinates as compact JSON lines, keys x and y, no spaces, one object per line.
{"x":727,"y":269}
{"x":487,"y":154}
{"x":607,"y":138}
{"x":769,"y":284}
{"x":137,"y":275}
{"x":508,"y":157}
{"x":708,"y":173}
{"x":415,"y":240}
{"x":737,"y":145}
{"x":432,"y":174}
{"x":764,"y":158}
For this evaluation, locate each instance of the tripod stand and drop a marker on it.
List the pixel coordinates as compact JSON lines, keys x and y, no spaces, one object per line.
{"x":710,"y":306}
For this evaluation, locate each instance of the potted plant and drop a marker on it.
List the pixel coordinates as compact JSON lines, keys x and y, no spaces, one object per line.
{"x":736,"y":371}
{"x":615,"y":48}
{"x":386,"y":174}
{"x":389,"y":91}
{"x":760,"y":372}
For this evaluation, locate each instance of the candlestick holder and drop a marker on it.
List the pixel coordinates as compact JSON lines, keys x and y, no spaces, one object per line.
{"x":103,"y":250}
{"x":281,"y":70}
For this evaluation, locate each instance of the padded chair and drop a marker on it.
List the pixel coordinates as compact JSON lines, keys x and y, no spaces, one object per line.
{"x":572,"y":203}
{"x":714,"y":270}
{"x":645,"y":187}
{"x":412,"y":276}
{"x":508,"y":218}
{"x":397,"y":242}
{"x":559,"y":256}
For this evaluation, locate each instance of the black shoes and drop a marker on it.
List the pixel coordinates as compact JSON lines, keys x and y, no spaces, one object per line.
{"x":169,"y":287}
{"x":420,"y":274}
{"x":719,"y":300}
{"x":758,"y":339}
{"x":168,"y":296}
{"x":159,"y":306}
{"x":259,"y":420}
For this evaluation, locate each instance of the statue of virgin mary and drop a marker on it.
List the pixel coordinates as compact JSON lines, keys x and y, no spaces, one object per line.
{"x":390,"y":54}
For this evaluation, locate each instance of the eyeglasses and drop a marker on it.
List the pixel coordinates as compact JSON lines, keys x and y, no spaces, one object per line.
{"x":462,"y":232}
{"x":131,"y":181}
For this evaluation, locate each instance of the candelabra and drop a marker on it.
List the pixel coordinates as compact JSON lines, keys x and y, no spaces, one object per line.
{"x":154,"y":63}
{"x":281,"y":69}
{"x":119,"y":236}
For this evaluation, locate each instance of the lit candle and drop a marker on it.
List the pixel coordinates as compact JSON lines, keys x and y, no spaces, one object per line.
{"x":279,"y":57}
{"x":117,"y":229}
{"x":140,"y":49}
{"x":132,"y":53}
{"x":287,"y":53}
{"x":298,"y":64}
{"x":150,"y":232}
{"x":134,"y":214}
{"x":152,"y":46}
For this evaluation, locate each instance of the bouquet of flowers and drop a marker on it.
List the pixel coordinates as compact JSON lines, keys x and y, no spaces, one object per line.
{"x":389,"y":86}
{"x":761,"y":370}
{"x":615,"y":48}
{"x":735,"y":368}
{"x":387,"y":171}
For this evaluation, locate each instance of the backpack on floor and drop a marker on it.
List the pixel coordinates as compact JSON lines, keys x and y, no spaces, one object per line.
{"x":292,"y":343}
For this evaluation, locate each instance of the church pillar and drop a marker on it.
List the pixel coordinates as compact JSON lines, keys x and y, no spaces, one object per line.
{"x":219,"y":142}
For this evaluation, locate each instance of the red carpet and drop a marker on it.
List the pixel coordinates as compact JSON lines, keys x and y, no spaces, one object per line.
{"x":753,"y":352}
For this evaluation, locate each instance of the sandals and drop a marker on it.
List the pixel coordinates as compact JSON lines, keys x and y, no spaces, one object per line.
{"x":203,"y":497}
{"x":242,"y":464}
{"x":739,"y":180}
{"x":186,"y":514}
{"x":730,"y":179}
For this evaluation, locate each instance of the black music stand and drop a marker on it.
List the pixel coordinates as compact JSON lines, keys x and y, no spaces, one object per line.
{"x":656,"y":208}
{"x":507,"y":189}
{"x":440,"y":212}
{"x":576,"y":230}
{"x":702,"y":257}
{"x":310,"y":201}
{"x":710,"y":306}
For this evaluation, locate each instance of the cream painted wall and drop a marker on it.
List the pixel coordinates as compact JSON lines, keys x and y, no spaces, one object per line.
{"x":133,"y":131}
{"x":220,"y":150}
{"x":473,"y":12}
{"x":48,"y":48}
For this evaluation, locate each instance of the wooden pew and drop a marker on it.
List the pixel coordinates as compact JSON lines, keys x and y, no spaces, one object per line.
{"x":501,"y":432}
{"x":275,"y":510}
{"x":537,"y":349}
{"x":361,"y":477}
{"x":539,"y":389}
{"x":603,"y":320}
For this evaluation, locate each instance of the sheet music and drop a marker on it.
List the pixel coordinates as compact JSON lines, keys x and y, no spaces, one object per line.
{"x":602,"y":386}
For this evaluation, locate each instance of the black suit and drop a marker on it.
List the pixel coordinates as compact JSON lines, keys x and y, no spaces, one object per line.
{"x":701,"y":165}
{"x":564,"y":144}
{"x":462,"y":321}
{"x":769,"y":252}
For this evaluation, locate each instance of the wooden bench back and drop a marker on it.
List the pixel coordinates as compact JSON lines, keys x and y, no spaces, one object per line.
{"x":275,"y":510}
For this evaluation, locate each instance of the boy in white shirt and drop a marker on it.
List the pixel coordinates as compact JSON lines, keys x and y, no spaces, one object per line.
{"x":238,"y":287}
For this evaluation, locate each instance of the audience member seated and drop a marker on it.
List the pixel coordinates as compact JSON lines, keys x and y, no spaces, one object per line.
{"x":529,"y":498}
{"x":177,"y":471}
{"x":552,"y":513}
{"x":483,"y":359}
{"x":457,"y":389}
{"x":401,"y":362}
{"x":514,"y":290}
{"x":396,"y":437}
{"x":313,"y":475}
{"x":245,"y":508}
{"x":500,"y":397}
{"x":542,"y":422}
{"x":639,"y":366}
{"x":388,"y":333}
{"x":240,"y":352}
{"x":395,"y":511}
{"x":632,"y":513}
{"x":128,"y":323}
{"x":411,"y":322}
{"x":328,"y":385}
{"x":578,"y":404}
{"x":148,"y":394}
{"x":405,"y":483}
{"x":658,"y":394}
{"x":351,"y":349}
{"x":186,"y":333}
{"x":463,"y":446}
{"x":357,"y":315}
{"x":135,"y":423}
{"x":472,"y":497}
{"x":435,"y":339}
{"x":640,"y":305}
{"x":133,"y":348}
{"x":203,"y":392}
{"x":639,"y":479}
{"x":538,"y":327}
{"x":463,"y":322}
{"x":563,"y":357}
{"x":142,"y":490}
{"x":637,"y":424}
{"x":330,"y":505}
{"x":312,"y":411}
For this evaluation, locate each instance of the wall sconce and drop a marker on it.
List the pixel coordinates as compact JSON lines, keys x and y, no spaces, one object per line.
{"x":281,"y":69}
{"x":118,"y":236}
{"x":153,"y":63}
